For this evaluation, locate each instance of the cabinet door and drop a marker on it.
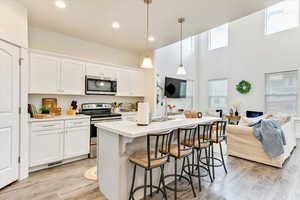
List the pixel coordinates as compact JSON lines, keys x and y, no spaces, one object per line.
{"x":137,"y":83}
{"x":44,"y":74}
{"x":46,"y":147}
{"x":100,"y":70}
{"x":77,"y":142}
{"x":123,"y":83}
{"x":72,"y":77}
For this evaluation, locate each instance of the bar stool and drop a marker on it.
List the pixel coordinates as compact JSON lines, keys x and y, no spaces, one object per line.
{"x":151,"y":159}
{"x":199,"y":140}
{"x":218,"y":135}
{"x":179,"y":151}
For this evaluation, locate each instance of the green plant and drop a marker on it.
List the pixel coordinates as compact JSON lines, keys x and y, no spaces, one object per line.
{"x":243,"y":87}
{"x":44,"y":109}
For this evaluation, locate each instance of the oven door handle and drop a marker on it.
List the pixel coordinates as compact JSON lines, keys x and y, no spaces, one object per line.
{"x":99,"y":120}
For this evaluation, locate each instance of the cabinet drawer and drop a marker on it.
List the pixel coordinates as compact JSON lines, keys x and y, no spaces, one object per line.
{"x":49,"y":125}
{"x":77,"y":123}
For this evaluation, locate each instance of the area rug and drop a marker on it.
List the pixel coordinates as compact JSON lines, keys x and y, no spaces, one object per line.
{"x":91,"y":174}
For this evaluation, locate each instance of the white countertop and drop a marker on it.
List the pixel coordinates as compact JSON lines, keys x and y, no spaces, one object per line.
{"x":61,"y":117}
{"x":132,"y":130}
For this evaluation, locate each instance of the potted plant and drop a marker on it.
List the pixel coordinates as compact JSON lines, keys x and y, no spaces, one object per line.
{"x":44,"y":110}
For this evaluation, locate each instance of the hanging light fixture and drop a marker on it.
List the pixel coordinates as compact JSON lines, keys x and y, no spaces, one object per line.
{"x":181,"y":69}
{"x":147,"y":63}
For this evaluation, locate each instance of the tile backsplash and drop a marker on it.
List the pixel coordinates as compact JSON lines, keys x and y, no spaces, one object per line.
{"x":64,"y":101}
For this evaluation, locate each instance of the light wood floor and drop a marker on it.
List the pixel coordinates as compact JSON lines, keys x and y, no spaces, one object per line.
{"x":245,"y":180}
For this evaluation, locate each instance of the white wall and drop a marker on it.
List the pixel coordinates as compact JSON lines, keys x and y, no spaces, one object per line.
{"x":249,"y":56}
{"x":59,"y":43}
{"x":13,"y":23}
{"x":166,"y":61}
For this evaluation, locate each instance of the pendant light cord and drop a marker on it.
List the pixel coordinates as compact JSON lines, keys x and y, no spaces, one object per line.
{"x":147,"y":28}
{"x":181,"y":44}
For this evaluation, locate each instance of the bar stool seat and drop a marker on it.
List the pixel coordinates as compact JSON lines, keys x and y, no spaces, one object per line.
{"x":195,"y":144}
{"x":216,"y":139}
{"x":175,"y":153}
{"x":141,"y":158}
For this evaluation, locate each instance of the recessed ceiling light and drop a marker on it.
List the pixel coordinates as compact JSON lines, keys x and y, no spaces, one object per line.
{"x":115,"y":25}
{"x":151,"y":39}
{"x":60,"y":4}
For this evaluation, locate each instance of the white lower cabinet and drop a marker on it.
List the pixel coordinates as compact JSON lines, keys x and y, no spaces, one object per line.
{"x":77,"y":142}
{"x":54,"y":141}
{"x":46,"y":147}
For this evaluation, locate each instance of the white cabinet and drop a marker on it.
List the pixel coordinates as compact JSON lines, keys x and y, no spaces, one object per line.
{"x":123,"y":83}
{"x":52,"y":75}
{"x":77,"y":142}
{"x":100,"y":70}
{"x":130,"y":83}
{"x":53,"y":141}
{"x":46,"y":143}
{"x":57,"y":75}
{"x":72,"y":77}
{"x":44,"y":74}
{"x":137,"y":83}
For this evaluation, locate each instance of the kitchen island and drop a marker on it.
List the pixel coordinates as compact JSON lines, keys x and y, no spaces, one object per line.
{"x":117,"y":140}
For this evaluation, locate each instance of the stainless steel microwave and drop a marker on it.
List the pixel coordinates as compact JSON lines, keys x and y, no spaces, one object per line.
{"x":96,"y":85}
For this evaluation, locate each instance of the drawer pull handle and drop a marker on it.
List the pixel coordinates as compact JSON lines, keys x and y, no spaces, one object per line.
{"x":50,"y":125}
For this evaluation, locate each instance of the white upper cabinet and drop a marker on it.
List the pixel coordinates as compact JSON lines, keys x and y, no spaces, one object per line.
{"x":100,"y":70}
{"x":44,"y":74}
{"x":130,"y":83}
{"x":137,"y":83}
{"x":72,"y":77}
{"x":58,"y":75}
{"x":123,"y":84}
{"x":53,"y":75}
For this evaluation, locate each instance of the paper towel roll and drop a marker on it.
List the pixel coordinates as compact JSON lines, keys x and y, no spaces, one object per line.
{"x":143,"y":115}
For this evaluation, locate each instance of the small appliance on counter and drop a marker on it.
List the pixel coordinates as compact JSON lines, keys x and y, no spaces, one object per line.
{"x":143,"y":114}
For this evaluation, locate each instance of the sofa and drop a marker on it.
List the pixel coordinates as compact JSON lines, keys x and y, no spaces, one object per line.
{"x":243,"y":144}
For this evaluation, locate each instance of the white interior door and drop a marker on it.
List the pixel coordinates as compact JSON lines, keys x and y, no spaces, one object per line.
{"x":9,"y":115}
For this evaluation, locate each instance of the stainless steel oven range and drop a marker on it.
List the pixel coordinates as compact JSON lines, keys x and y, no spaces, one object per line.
{"x":99,"y":112}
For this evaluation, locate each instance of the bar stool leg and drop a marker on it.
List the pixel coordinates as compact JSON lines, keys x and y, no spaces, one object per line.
{"x":191,"y":180}
{"x":199,"y":175}
{"x":175,"y":182}
{"x":213,"y":160}
{"x":132,"y":184}
{"x":163,"y":181}
{"x":151,"y":188}
{"x":193,"y":161}
{"x":207,"y":162}
{"x":222,"y":156}
{"x":145,"y":184}
{"x":182,"y":169}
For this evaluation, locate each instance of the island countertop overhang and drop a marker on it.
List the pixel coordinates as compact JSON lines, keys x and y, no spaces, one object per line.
{"x":132,"y":130}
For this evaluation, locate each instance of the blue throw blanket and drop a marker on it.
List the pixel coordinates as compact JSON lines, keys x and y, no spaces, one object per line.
{"x":270,"y":134}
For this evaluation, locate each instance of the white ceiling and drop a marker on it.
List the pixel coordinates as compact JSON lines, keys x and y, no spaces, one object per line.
{"x":91,"y":19}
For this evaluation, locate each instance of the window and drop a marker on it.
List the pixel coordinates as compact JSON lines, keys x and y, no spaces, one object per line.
{"x":218,"y":37}
{"x":217,"y":94}
{"x":281,"y":92}
{"x":282,"y":16}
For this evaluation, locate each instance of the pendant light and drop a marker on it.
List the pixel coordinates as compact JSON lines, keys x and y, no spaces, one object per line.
{"x":181,"y":69}
{"x":147,"y":63}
